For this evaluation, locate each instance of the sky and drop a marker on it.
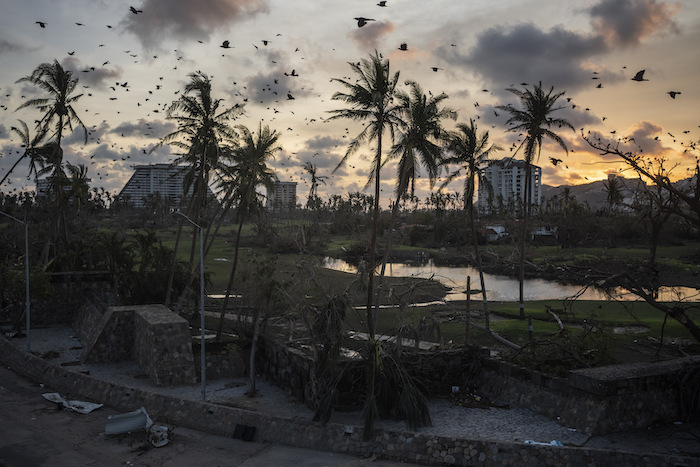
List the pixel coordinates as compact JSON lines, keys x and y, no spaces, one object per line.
{"x":131,"y":66}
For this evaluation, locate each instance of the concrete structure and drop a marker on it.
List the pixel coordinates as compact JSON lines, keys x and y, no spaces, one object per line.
{"x":284,"y":196}
{"x":163,"y":179}
{"x":505,"y":181}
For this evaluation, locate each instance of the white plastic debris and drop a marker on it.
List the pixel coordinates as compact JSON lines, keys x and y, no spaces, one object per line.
{"x":554,"y":442}
{"x":136,"y":421}
{"x":75,"y":406}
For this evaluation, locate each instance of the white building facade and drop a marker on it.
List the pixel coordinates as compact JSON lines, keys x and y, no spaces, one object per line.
{"x":163,"y":179}
{"x":504,"y":182}
{"x":284,"y":196}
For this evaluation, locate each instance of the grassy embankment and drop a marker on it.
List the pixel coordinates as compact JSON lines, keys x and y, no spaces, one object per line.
{"x":627,"y":323}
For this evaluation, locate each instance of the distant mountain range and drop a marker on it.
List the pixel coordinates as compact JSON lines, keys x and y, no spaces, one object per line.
{"x":594,"y":193}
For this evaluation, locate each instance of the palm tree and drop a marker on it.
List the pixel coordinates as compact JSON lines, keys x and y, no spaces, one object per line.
{"x":59,"y":115}
{"x":248,"y":172}
{"x":370,"y":101}
{"x":203,"y":128}
{"x":315,"y":179}
{"x":33,"y":149}
{"x":419,"y":143}
{"x":471,"y":151}
{"x":535,"y":120}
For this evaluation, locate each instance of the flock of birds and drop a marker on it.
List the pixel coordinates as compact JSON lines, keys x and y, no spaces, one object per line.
{"x":113,"y":157}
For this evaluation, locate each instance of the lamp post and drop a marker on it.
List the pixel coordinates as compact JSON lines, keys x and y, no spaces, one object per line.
{"x":26,"y":268}
{"x":201,"y":299}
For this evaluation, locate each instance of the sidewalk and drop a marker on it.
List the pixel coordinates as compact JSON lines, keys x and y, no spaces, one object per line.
{"x":59,"y":346}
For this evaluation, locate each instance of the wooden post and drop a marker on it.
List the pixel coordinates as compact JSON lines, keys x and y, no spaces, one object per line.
{"x":467,"y":318}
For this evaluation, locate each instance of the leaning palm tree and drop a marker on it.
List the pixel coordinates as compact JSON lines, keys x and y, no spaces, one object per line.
{"x":370,"y":102}
{"x":59,"y":115}
{"x":534,"y":119}
{"x":33,"y":149}
{"x":419,"y":144}
{"x":203,"y":128}
{"x":470,"y":151}
{"x":249,"y":170}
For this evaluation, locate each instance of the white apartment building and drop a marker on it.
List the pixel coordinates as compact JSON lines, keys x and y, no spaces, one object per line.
{"x":284,"y":196}
{"x":505,"y":180}
{"x":163,"y":179}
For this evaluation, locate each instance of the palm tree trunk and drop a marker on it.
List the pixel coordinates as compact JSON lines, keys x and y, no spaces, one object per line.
{"x":171,"y":276}
{"x":371,"y":314}
{"x":480,"y":268}
{"x":523,"y":235}
{"x":229,"y":286}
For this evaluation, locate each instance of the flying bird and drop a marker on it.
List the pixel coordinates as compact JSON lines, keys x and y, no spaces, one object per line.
{"x":639,"y":76}
{"x":134,"y":10}
{"x":403,"y":46}
{"x":225,"y":45}
{"x":554,"y":160}
{"x":673,"y":94}
{"x":382,"y":3}
{"x":436,"y":68}
{"x":41,"y":23}
{"x":360,"y":21}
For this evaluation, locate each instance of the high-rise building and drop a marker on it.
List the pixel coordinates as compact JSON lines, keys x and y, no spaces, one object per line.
{"x":163,"y":179}
{"x":284,"y":196}
{"x":504,"y":181}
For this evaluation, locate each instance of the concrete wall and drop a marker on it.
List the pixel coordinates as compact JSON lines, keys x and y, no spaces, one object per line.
{"x":417,"y":448}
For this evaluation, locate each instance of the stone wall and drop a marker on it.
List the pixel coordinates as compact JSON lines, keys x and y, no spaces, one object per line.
{"x":163,"y":345}
{"x":400,"y":446}
{"x":595,"y":401}
{"x":158,"y":339}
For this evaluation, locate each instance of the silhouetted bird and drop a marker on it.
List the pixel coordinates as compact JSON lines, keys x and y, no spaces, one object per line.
{"x":290,"y":97}
{"x":673,"y":94}
{"x":360,"y":21}
{"x":41,"y":23}
{"x":554,"y":160}
{"x":403,"y":46}
{"x":382,"y":3}
{"x":436,"y":68}
{"x":134,"y":10}
{"x":225,"y":45}
{"x":639,"y":76}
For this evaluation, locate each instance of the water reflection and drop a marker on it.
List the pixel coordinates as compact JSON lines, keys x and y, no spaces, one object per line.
{"x":504,"y":288}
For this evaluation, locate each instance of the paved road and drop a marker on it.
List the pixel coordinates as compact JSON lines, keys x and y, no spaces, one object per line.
{"x":33,"y":432}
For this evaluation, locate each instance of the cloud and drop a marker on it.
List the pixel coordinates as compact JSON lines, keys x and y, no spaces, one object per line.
{"x":628,"y":22}
{"x":8,"y":47}
{"x":526,"y":54}
{"x":95,"y":76}
{"x":368,"y":36}
{"x":185,"y":19}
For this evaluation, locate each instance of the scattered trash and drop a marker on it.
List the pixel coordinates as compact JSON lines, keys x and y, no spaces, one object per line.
{"x":136,"y":421}
{"x":75,"y":406}
{"x":554,"y":442}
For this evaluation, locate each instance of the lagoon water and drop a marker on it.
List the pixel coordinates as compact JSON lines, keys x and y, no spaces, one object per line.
{"x":504,"y":288}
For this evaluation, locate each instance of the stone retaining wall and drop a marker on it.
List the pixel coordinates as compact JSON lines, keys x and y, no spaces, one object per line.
{"x":412,"y":447}
{"x":594,"y":401}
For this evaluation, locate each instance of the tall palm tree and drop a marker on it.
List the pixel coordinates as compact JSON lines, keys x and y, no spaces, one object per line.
{"x":203,"y":128}
{"x":535,"y":120}
{"x":470,"y":151}
{"x":315,"y":180}
{"x":33,"y":149}
{"x":419,"y":143}
{"x":370,"y":102}
{"x":59,"y":115}
{"x":249,"y":170}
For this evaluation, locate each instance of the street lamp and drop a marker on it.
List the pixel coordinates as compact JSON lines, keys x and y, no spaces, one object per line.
{"x":201,"y":299}
{"x":26,"y":267}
